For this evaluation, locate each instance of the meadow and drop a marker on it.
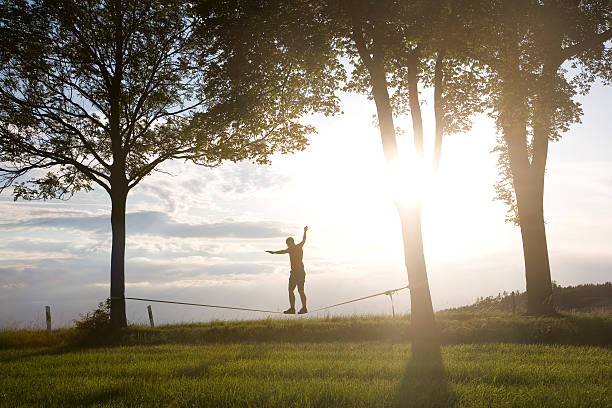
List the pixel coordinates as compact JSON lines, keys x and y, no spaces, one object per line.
{"x":332,"y":362}
{"x":336,"y":374}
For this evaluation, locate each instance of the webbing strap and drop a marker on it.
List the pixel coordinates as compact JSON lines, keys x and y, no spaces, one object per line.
{"x":386,"y":292}
{"x":198,"y":304}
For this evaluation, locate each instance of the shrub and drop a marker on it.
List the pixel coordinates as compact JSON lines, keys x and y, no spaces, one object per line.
{"x":97,"y":321}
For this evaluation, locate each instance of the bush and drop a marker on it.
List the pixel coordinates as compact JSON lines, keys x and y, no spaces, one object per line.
{"x":97,"y":321}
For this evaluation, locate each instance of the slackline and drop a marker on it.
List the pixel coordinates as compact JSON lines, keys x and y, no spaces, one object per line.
{"x":386,"y":292}
{"x":198,"y":304}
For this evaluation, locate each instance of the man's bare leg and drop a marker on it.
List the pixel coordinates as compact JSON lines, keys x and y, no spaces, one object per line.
{"x":291,"y":299}
{"x":292,"y":285}
{"x":303,"y":299}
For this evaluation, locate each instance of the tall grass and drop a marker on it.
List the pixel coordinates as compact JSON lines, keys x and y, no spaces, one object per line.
{"x":455,"y":327}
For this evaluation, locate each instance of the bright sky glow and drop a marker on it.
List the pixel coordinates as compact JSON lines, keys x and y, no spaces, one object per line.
{"x":200,"y":235}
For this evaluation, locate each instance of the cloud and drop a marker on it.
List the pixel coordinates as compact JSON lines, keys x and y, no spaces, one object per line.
{"x":204,"y":188}
{"x":154,"y":223}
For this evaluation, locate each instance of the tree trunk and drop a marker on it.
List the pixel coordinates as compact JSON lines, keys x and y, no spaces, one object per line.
{"x":535,"y":250}
{"x":117,"y":288}
{"x":438,"y":110}
{"x":119,"y":186}
{"x":415,"y":105}
{"x":528,"y":176}
{"x":422,"y":315}
{"x":423,"y":321}
{"x":528,"y":183}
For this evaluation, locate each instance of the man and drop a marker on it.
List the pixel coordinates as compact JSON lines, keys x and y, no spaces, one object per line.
{"x":297,"y":276}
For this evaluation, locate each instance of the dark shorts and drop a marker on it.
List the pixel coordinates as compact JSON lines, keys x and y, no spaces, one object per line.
{"x":297,"y":278}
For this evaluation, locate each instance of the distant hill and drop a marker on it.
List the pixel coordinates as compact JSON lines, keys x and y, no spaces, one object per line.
{"x":581,"y":298}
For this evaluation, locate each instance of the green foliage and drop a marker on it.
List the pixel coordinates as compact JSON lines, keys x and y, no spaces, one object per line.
{"x":527,"y":47}
{"x":581,"y":298}
{"x":97,"y":321}
{"x":103,"y":92}
{"x":421,"y":31}
{"x":52,"y":185}
{"x":504,"y":186}
{"x":273,"y":60}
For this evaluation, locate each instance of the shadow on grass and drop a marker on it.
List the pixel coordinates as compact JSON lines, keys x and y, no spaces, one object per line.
{"x":25,"y":354}
{"x":95,"y":397}
{"x":200,"y":370}
{"x":204,"y":366}
{"x":425,"y":383}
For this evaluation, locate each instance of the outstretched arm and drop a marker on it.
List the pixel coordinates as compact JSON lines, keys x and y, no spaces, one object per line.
{"x":304,"y":237}
{"x":282,"y":251}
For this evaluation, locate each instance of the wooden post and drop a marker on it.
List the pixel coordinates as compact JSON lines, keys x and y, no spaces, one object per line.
{"x":150,"y":315}
{"x":48,"y":316}
{"x":392,"y":306}
{"x":513,"y":303}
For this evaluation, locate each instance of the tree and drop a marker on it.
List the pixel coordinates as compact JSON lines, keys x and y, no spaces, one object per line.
{"x":398,"y":46}
{"x":533,"y":103}
{"x":101,"y":92}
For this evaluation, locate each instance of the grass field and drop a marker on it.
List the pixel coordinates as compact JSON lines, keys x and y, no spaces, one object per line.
{"x":338,"y":374}
{"x":486,"y":360}
{"x":455,"y":328}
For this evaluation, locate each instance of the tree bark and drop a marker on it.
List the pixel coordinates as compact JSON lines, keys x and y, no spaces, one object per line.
{"x":438,"y":110}
{"x":535,"y":250}
{"x":422,"y":316}
{"x":527,"y":178}
{"x":119,"y":185}
{"x":117,"y":287}
{"x":528,"y":182}
{"x":415,"y":105}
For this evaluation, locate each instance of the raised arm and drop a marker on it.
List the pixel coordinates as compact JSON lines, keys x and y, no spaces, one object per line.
{"x":282,"y":251}
{"x":304,"y":237}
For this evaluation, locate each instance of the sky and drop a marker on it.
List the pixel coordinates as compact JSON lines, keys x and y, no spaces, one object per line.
{"x":198,"y":235}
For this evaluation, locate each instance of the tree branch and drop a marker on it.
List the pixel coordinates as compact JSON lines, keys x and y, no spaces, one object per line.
{"x":574,"y":50}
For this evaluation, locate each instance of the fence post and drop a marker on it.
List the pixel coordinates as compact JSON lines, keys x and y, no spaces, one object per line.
{"x":390,"y":294}
{"x":48,"y":317}
{"x":150,"y":315}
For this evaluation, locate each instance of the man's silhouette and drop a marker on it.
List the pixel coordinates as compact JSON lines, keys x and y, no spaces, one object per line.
{"x":297,"y":275}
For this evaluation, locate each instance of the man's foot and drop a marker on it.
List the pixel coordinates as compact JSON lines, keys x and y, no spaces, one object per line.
{"x":303,"y":310}
{"x":291,"y":310}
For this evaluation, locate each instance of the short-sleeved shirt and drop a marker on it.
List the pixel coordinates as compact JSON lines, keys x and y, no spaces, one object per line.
{"x":296,"y":253}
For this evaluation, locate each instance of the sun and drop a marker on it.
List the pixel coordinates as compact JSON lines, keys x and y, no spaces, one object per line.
{"x":410,"y":180}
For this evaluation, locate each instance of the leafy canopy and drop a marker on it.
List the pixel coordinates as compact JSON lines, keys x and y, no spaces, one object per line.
{"x":103,"y":91}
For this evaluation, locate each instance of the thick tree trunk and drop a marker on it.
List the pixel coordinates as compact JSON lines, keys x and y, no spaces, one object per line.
{"x":528,"y":175}
{"x":117,"y":288}
{"x":528,"y":182}
{"x":423,"y":321}
{"x":119,"y":186}
{"x":422,"y":315}
{"x":535,"y":250}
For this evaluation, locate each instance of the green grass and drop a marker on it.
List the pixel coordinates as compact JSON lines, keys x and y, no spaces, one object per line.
{"x":337,"y":374}
{"x":487,"y":360}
